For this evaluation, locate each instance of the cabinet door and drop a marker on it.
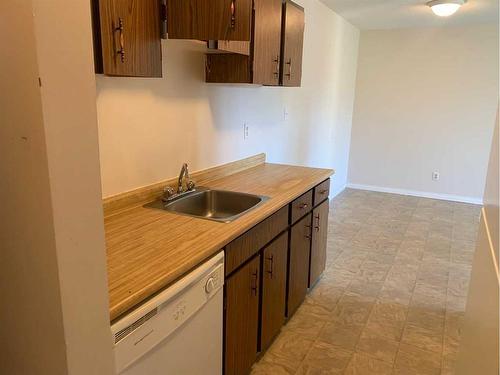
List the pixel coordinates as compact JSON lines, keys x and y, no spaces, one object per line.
{"x":293,"y":40}
{"x":209,"y":19}
{"x":318,"y":244}
{"x":298,"y":275}
{"x":242,"y":318}
{"x":273,"y":289}
{"x":130,"y":37}
{"x":267,"y":42}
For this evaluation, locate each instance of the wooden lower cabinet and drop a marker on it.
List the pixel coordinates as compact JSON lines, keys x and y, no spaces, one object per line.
{"x":318,"y":242}
{"x":298,"y":273}
{"x":274,"y":266}
{"x":242,"y":318}
{"x":268,"y":272}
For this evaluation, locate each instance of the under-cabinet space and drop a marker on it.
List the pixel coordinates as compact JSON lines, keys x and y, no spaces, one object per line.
{"x":274,"y":267}
{"x":228,"y":46}
{"x":318,"y":242}
{"x":209,"y":20}
{"x":241,"y":318}
{"x":298,"y":271}
{"x":292,"y":44}
{"x":127,"y":38}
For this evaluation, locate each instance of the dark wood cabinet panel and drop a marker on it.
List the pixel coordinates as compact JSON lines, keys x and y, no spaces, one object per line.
{"x":298,"y":272}
{"x":301,"y":206}
{"x":267,"y":42}
{"x":293,"y":40}
{"x":321,"y":192}
{"x":130,"y":37}
{"x":209,"y":20}
{"x":227,"y":68}
{"x":249,"y":243}
{"x":274,"y":266}
{"x":319,"y":242}
{"x":241,"y":318}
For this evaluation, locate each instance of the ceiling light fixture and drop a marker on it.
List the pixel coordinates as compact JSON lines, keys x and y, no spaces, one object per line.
{"x":445,"y":8}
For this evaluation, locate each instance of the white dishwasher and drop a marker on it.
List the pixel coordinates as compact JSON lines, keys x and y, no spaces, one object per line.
{"x":177,"y":332}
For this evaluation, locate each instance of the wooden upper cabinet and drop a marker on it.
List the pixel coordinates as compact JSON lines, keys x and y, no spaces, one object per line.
{"x":293,"y":40}
{"x":209,"y":19}
{"x":242,"y":318}
{"x":130,"y":41}
{"x":274,"y":265}
{"x":267,"y":42}
{"x":319,"y":242}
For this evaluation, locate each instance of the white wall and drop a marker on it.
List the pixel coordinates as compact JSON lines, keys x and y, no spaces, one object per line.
{"x":54,"y":316}
{"x":426,"y":100}
{"x":148,"y":127}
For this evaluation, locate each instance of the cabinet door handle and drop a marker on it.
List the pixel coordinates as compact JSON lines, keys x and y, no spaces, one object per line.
{"x":277,"y":62}
{"x":121,"y":51}
{"x":255,"y":280}
{"x":317,"y":227}
{"x":308,"y":235}
{"x":233,"y":14}
{"x":271,"y":265}
{"x":289,"y":63}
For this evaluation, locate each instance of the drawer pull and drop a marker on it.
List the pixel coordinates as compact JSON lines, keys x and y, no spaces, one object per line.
{"x":323,"y":191}
{"x":255,"y":277}
{"x":303,"y":206}
{"x":271,"y":265}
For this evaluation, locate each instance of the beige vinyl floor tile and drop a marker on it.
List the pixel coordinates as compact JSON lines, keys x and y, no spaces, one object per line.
{"x":362,"y":364}
{"x":393,"y":295}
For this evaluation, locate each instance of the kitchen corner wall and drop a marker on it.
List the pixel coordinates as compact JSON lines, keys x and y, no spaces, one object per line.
{"x":149,"y":127}
{"x":426,"y":100}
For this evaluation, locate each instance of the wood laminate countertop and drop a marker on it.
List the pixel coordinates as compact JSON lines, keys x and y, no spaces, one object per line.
{"x":148,"y":249}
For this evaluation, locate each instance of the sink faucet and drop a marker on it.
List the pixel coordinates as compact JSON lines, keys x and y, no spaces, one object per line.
{"x":168,"y":192}
{"x":184,"y":174}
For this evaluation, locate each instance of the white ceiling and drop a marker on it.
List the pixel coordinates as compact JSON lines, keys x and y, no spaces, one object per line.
{"x":393,"y":14}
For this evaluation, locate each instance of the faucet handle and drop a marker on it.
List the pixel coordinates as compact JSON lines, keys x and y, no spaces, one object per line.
{"x":167,"y":193}
{"x":191,"y":185}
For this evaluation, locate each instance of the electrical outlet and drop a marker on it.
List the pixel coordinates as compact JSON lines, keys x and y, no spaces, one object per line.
{"x":245,"y":130}
{"x":435,"y":176}
{"x":285,"y":114}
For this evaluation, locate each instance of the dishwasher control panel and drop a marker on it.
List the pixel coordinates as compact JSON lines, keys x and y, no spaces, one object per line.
{"x":214,"y":281}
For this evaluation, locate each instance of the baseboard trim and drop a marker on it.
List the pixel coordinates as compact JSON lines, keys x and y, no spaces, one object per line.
{"x":334,"y":193}
{"x":415,"y":193}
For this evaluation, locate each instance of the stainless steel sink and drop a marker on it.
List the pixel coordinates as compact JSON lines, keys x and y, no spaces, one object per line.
{"x":218,"y":205}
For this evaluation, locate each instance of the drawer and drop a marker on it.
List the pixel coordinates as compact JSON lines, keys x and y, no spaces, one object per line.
{"x":321,"y":192}
{"x":249,"y":243}
{"x":301,"y":206}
